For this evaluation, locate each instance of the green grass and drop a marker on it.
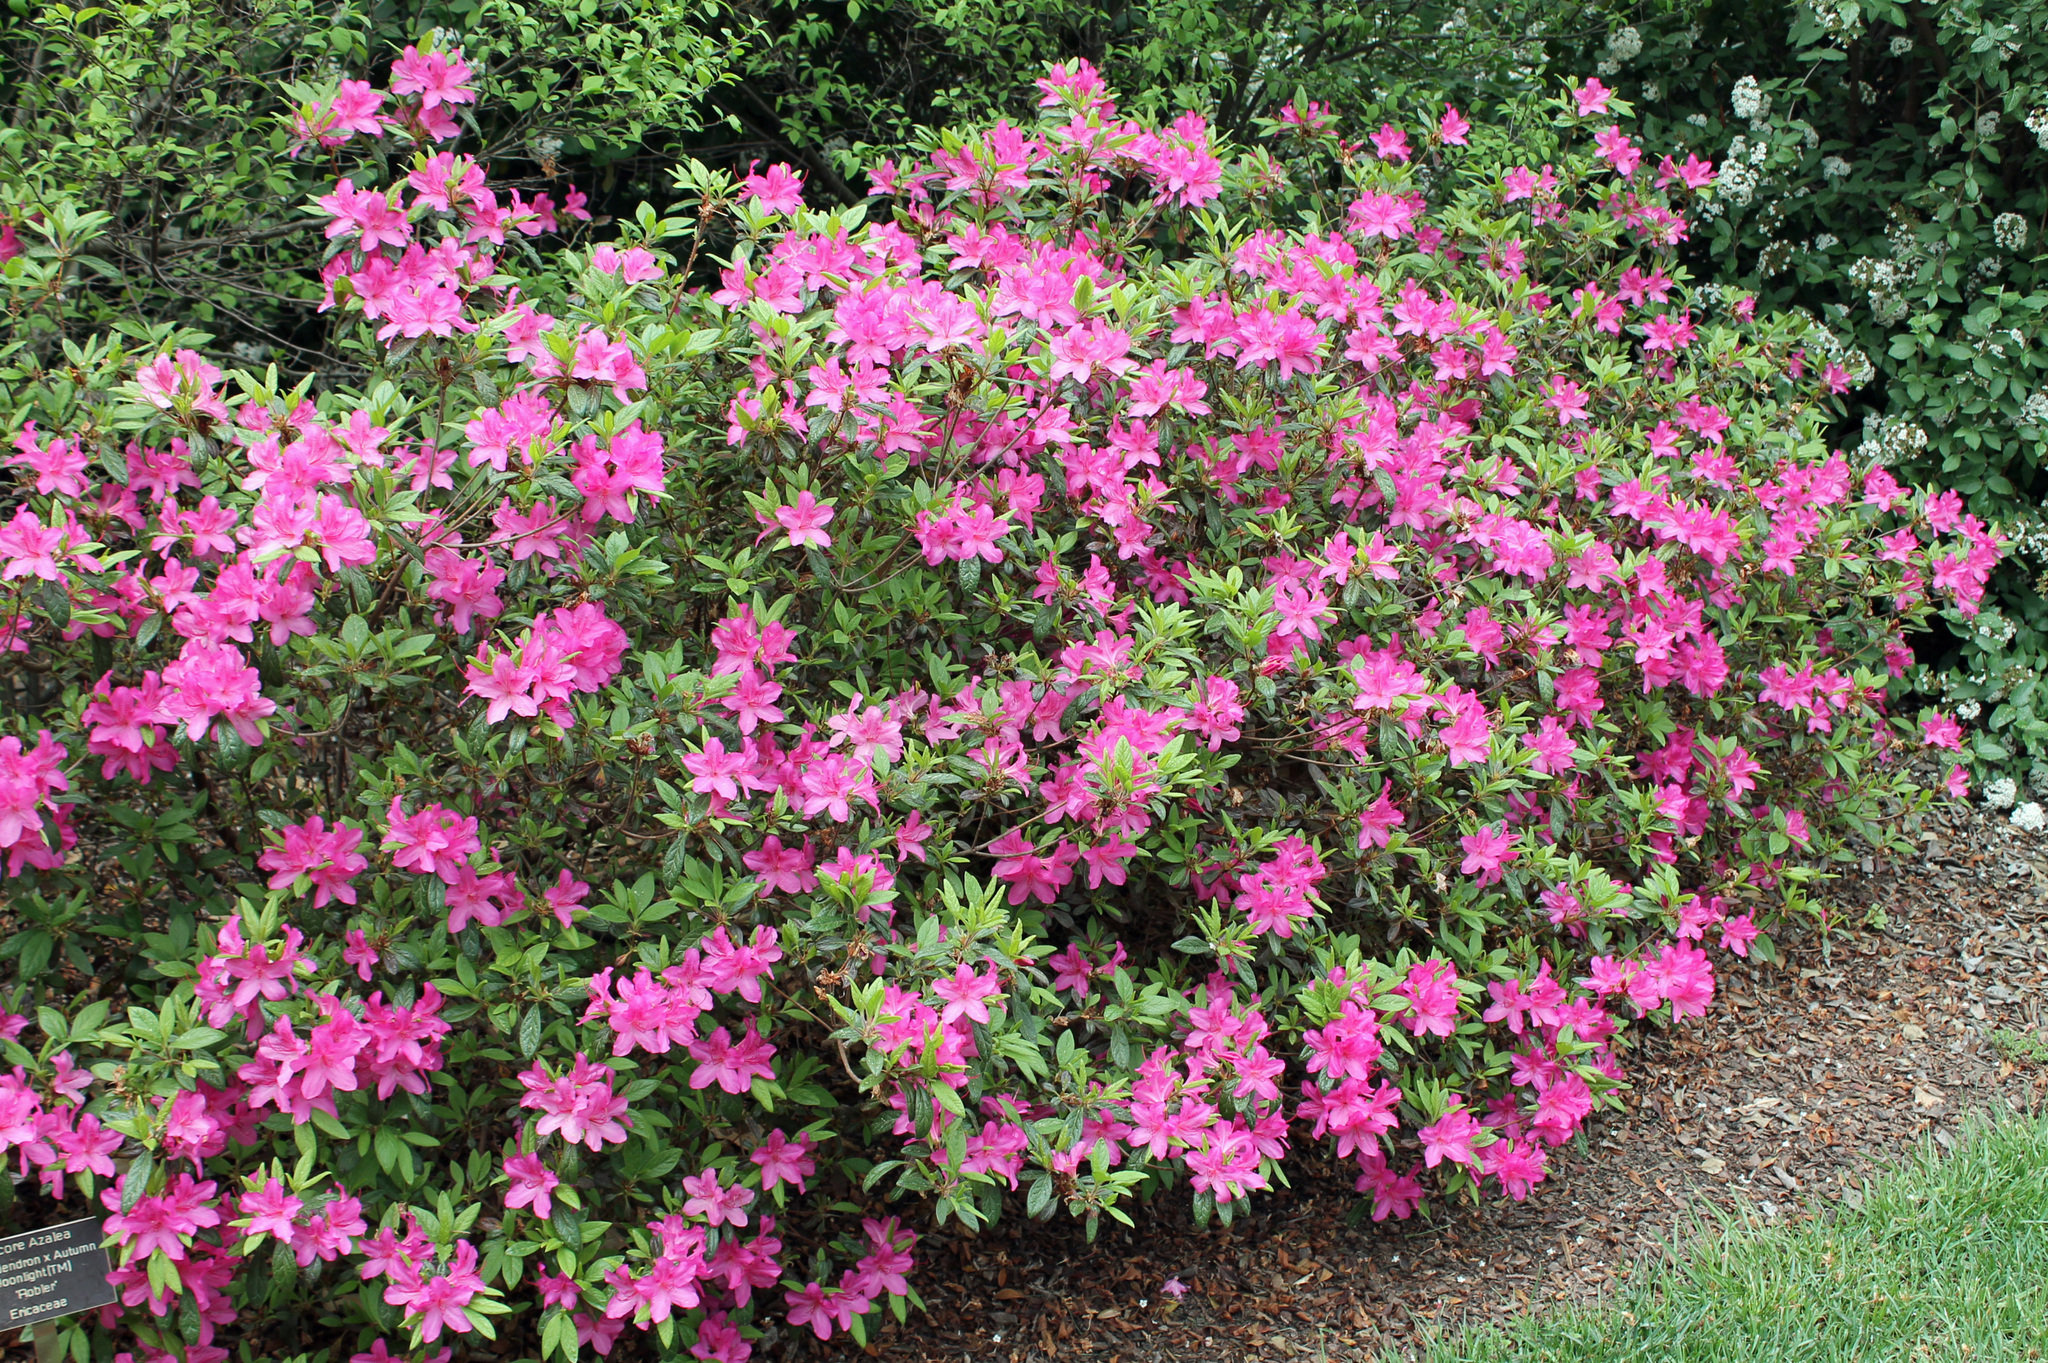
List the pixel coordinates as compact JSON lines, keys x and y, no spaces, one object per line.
{"x":1946,"y":1260}
{"x":2020,"y":1046}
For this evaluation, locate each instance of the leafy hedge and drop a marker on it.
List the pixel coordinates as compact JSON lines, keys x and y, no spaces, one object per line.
{"x":1113,"y":669}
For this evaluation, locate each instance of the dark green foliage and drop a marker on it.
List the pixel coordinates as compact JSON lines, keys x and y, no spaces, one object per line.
{"x":148,"y":145}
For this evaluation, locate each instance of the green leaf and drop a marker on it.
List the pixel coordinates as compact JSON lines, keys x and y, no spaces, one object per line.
{"x":36,"y":946}
{"x":136,"y":1181}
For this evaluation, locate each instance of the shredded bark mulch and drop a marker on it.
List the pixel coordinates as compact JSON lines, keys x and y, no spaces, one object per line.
{"x":1804,"y":1078}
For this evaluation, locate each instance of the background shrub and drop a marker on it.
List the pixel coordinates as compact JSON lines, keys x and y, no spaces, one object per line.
{"x":833,"y":85}
{"x":153,"y":171}
{"x":1885,"y":166}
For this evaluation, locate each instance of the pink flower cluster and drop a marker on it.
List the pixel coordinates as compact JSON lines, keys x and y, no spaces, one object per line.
{"x":436,"y":1294}
{"x":563,"y":654}
{"x":29,"y":778}
{"x":882,"y":1269}
{"x":48,"y":1130}
{"x":238,"y":975}
{"x":687,"y":1269}
{"x":441,"y":842}
{"x":581,"y":1106}
{"x":416,"y":290}
{"x":168,"y":1227}
{"x":389,"y":1048}
{"x":652,"y":1014}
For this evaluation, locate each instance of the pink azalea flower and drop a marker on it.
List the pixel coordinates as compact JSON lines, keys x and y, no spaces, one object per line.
{"x":1592,"y":97}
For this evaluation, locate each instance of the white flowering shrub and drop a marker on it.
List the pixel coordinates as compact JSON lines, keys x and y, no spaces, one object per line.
{"x":1885,"y":167}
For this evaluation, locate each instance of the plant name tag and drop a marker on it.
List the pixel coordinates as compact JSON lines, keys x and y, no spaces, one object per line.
{"x":56,"y":1271}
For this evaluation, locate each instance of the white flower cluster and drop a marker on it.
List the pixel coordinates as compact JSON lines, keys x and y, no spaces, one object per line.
{"x":1834,"y":168}
{"x":2029,"y":818}
{"x":1940,"y":684}
{"x":2037,"y":124}
{"x":1741,"y":173}
{"x":1987,"y":125}
{"x":1969,"y":710}
{"x":1896,"y":440}
{"x":1749,"y":99}
{"x":2026,"y":537}
{"x":1652,"y":92}
{"x":1885,"y":280}
{"x":1625,"y":44}
{"x":1902,"y":236}
{"x":1901,"y":44}
{"x":2034,"y":410}
{"x":2009,"y":230}
{"x":1993,"y":343}
{"x":2000,"y":793}
{"x":1697,"y":120}
{"x":1806,"y":132}
{"x":1458,"y":20}
{"x":1820,"y":338}
{"x":1736,"y":185}
{"x":1993,"y":631}
{"x":1839,"y":20}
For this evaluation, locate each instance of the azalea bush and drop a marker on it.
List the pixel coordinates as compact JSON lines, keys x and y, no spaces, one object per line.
{"x":1113,"y":671}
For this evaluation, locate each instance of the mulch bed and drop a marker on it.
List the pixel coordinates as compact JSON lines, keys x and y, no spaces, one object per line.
{"x":1803,"y":1079}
